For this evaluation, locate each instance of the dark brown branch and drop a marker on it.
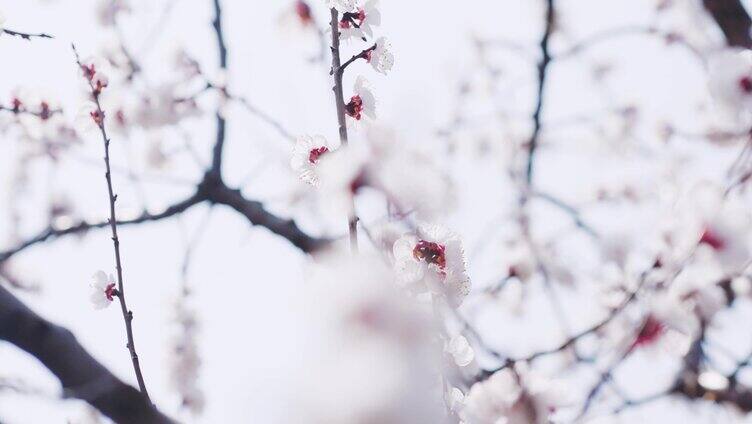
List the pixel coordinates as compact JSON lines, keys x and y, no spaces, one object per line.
{"x":82,"y":227}
{"x":361,"y":55}
{"x":339,"y":99}
{"x":127,"y":313}
{"x":217,"y":192}
{"x":733,"y":19}
{"x":26,"y":36}
{"x":81,"y":376}
{"x":221,"y":122}
{"x":542,"y":72}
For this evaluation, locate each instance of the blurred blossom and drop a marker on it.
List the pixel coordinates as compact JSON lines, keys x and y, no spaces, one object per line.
{"x":433,"y":259}
{"x":512,"y":397}
{"x":372,"y":359}
{"x":184,"y":359}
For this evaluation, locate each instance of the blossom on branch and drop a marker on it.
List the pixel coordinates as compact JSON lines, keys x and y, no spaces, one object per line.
{"x":381,"y":58}
{"x":343,"y":6}
{"x":360,"y":23}
{"x":306,"y":155}
{"x":103,"y":290}
{"x":363,"y":102}
{"x":434,"y":257}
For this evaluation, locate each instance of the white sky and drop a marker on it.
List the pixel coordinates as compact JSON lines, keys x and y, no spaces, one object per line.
{"x":246,"y":279}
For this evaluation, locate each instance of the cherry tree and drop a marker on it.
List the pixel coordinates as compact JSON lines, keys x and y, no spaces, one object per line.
{"x":568,"y":242}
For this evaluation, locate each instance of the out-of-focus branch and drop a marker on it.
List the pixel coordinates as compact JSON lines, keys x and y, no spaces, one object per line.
{"x":217,"y":192}
{"x":26,"y":36}
{"x":82,"y":227}
{"x":81,"y":376}
{"x":221,"y":122}
{"x":542,"y":73}
{"x":733,"y":19}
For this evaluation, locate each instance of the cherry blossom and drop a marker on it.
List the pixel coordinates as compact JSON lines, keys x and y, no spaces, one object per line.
{"x":459,"y":348}
{"x":511,"y":397}
{"x":185,"y":361}
{"x":108,"y":10}
{"x":357,"y":316}
{"x":96,"y":71}
{"x":103,"y":290}
{"x":730,"y":74}
{"x":343,"y":6}
{"x":306,"y":156}
{"x":363,"y":102}
{"x":435,"y":257}
{"x":360,"y":23}
{"x":381,"y":57}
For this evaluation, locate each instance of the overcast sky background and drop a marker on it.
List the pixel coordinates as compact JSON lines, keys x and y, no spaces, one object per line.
{"x":246,"y":280}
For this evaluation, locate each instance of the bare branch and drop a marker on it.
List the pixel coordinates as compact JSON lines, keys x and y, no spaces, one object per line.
{"x":127,"y":314}
{"x":733,"y":19}
{"x":81,"y":376}
{"x":26,"y":36}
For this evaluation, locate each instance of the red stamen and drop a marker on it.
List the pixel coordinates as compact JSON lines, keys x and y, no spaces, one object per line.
{"x":110,"y":291}
{"x":430,"y":252}
{"x":315,"y":153}
{"x":651,"y":330}
{"x":746,"y":84}
{"x":713,"y":240}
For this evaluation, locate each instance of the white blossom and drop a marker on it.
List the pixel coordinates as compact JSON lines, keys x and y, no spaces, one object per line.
{"x":435,"y":257}
{"x":185,"y":361}
{"x":460,"y":350}
{"x":503,"y":399}
{"x":107,"y":11}
{"x":102,"y":290}
{"x":343,"y":5}
{"x":730,"y":74}
{"x":381,"y":57}
{"x":366,"y":18}
{"x":306,"y":153}
{"x":363,"y":102}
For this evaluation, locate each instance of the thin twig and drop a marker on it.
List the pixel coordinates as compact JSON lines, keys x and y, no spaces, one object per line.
{"x":339,"y":98}
{"x":542,"y":72}
{"x":26,"y":36}
{"x":127,"y":314}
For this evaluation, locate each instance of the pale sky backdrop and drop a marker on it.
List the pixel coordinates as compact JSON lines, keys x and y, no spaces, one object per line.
{"x":247,"y":280}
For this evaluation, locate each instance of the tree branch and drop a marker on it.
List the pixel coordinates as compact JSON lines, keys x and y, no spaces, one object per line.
{"x":221,"y":122}
{"x":26,"y":36}
{"x":127,"y":314}
{"x":82,"y":227}
{"x":81,"y":376}
{"x":733,"y":19}
{"x":542,"y":71}
{"x":339,"y":99}
{"x":217,"y":192}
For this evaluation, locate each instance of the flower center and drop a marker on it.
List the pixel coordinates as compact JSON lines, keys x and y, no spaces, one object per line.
{"x":355,"y":107}
{"x":651,"y":330}
{"x":110,"y":291}
{"x":316,"y":153}
{"x":304,"y":12}
{"x":430,"y":252}
{"x":746,"y":84}
{"x":350,"y":19}
{"x":97,"y":116}
{"x":713,"y":240}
